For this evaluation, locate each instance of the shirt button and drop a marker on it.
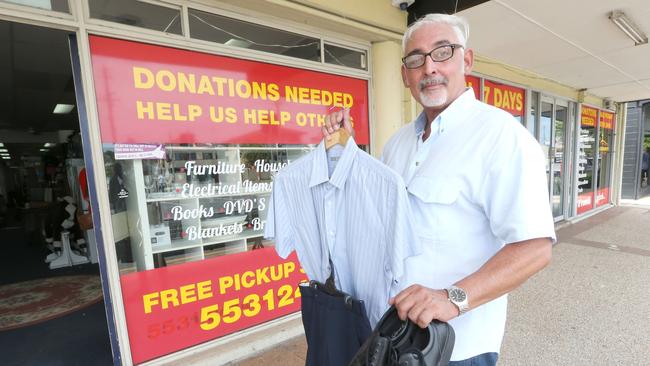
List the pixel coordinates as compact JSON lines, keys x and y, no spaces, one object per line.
{"x":331,"y":232}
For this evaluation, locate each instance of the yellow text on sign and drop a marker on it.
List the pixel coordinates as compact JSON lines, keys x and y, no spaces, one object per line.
{"x":232,"y":310}
{"x":176,"y":297}
{"x":168,"y":111}
{"x":258,"y":277}
{"x":504,"y":98}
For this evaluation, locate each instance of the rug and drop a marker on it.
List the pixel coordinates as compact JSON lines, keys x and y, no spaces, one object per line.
{"x":31,"y":302}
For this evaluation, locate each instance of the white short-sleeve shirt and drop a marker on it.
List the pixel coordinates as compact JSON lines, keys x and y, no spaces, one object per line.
{"x":481,"y":185}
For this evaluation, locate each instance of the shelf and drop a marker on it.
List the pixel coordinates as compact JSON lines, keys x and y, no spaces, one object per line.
{"x":184,"y":244}
{"x":176,"y":245}
{"x":177,"y":197}
{"x":241,"y":193}
{"x":247,"y":234}
{"x":272,"y":147}
{"x":179,"y":257}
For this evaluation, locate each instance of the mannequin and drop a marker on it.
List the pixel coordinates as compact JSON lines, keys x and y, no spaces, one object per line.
{"x":117,"y":192}
{"x":67,"y":230}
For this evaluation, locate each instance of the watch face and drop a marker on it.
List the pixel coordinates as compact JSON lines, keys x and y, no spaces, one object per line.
{"x":457,"y":295}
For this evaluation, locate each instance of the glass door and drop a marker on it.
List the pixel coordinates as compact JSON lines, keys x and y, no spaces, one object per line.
{"x":553,"y":131}
{"x":546,"y":134}
{"x":558,"y":159}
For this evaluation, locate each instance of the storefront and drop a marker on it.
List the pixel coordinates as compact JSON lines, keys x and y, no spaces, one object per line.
{"x":190,"y":148}
{"x":191,"y":109}
{"x":594,"y":158}
{"x":192,"y":106}
{"x":635,"y":180}
{"x":574,"y":155}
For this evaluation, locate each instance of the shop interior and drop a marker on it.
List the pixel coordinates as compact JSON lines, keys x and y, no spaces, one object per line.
{"x":51,"y":305}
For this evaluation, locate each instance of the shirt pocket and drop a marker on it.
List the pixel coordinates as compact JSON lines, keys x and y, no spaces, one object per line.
{"x":436,"y":208}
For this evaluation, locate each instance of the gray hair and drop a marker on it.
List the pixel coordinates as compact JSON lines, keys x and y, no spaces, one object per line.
{"x":458,"y":24}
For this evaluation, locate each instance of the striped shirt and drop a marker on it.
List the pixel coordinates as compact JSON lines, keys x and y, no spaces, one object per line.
{"x":360,"y":215}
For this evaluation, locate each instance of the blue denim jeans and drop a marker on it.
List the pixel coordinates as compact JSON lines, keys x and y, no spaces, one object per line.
{"x":485,"y":359}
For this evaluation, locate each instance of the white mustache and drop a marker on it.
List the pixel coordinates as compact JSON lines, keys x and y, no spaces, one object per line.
{"x":432,"y":81}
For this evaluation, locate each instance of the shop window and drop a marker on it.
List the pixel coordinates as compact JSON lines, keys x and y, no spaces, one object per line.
{"x":605,"y":141}
{"x":545,"y":131}
{"x":586,"y":155}
{"x":474,"y":83}
{"x":531,"y":123}
{"x":54,"y":5}
{"x":557,"y":156}
{"x":191,"y":143}
{"x":509,"y":98}
{"x":139,"y":14}
{"x":237,"y":33}
{"x":345,"y":57}
{"x":546,"y":124}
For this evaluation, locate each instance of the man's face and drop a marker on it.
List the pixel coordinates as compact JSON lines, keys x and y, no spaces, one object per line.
{"x":436,"y":84}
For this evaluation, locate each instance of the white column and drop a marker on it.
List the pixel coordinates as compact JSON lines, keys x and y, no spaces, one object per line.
{"x":387,"y":93}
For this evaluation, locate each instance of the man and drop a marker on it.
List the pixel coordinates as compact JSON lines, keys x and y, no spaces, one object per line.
{"x":477,"y":187}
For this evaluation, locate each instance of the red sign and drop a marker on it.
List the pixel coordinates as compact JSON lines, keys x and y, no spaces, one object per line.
{"x":172,"y":308}
{"x":607,"y":120}
{"x":588,"y":116}
{"x":155,"y":94}
{"x":585,"y":202}
{"x":474,"y":83}
{"x":509,"y":98}
{"x":602,"y":196}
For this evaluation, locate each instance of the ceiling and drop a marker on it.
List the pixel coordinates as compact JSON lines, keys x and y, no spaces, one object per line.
{"x":35,"y":75}
{"x":572,"y":42}
{"x":422,"y":7}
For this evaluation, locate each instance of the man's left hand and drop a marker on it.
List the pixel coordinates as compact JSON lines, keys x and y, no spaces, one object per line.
{"x":422,"y":305}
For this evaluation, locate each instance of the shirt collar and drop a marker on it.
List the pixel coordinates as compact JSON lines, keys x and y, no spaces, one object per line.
{"x":319,"y":172}
{"x":420,"y":122}
{"x":452,"y":115}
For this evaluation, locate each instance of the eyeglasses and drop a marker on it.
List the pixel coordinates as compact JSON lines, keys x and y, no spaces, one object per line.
{"x":438,"y":54}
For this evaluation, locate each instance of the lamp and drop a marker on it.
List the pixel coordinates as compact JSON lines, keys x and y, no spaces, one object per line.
{"x":63,"y":108}
{"x":628,"y":27}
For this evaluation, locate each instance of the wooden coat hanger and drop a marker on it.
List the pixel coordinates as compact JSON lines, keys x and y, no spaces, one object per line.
{"x":339,"y":137}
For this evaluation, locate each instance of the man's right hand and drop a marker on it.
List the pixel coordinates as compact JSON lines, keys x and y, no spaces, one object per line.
{"x":333,"y":122}
{"x":422,"y":305}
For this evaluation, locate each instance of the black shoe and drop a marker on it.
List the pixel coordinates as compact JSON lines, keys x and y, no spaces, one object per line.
{"x":397,"y":342}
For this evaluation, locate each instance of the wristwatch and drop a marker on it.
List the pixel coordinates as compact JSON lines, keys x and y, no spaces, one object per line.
{"x":458,"y":297}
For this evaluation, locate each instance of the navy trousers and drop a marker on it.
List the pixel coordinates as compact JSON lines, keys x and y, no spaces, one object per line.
{"x":336,"y":325}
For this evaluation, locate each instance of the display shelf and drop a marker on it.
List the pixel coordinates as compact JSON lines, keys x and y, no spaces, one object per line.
{"x":176,"y":245}
{"x":177,"y":257}
{"x":249,"y":235}
{"x":177,"y":196}
{"x":270,"y":147}
{"x":224,"y":248}
{"x":158,"y":213}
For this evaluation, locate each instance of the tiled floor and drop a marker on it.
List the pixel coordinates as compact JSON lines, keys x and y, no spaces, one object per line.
{"x":287,"y":354}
